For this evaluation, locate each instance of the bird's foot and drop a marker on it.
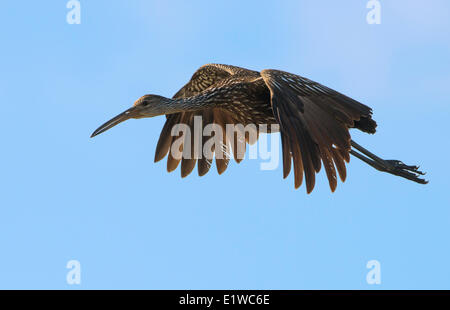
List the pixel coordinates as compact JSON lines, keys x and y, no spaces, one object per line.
{"x":408,"y":172}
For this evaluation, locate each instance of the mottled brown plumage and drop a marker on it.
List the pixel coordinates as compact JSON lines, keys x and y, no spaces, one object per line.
{"x":314,"y":122}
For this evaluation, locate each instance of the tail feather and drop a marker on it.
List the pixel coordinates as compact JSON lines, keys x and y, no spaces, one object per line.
{"x":366,"y":124}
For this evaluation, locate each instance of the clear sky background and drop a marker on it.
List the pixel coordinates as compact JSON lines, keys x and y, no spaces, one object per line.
{"x":132,"y":225}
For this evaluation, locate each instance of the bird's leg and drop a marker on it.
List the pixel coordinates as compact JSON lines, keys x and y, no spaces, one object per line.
{"x":394,"y":167}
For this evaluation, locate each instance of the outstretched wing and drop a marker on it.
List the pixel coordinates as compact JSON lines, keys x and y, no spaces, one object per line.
{"x":314,"y":122}
{"x":204,"y":78}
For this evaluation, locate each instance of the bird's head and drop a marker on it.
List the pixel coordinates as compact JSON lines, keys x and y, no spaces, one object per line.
{"x":146,"y":106}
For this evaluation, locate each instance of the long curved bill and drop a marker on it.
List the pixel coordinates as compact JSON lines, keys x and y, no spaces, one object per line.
{"x":130,"y":113}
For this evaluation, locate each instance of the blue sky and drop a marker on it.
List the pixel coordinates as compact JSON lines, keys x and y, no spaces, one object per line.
{"x":130,"y":224}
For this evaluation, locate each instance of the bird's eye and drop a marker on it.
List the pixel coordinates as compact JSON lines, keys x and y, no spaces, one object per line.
{"x":145,"y":103}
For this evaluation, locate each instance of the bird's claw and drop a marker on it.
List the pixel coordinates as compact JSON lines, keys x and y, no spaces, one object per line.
{"x":409,"y":172}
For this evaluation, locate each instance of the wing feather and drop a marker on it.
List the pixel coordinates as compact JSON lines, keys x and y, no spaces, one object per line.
{"x":204,"y":162}
{"x":314,"y":122}
{"x":189,"y":153}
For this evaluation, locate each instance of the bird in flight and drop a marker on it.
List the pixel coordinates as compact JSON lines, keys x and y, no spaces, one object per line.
{"x":313,"y":121}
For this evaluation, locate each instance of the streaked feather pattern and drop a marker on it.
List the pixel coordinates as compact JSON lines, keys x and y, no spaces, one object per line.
{"x":314,"y":121}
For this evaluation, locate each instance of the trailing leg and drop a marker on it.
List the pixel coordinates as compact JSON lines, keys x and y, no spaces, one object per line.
{"x":394,"y":167}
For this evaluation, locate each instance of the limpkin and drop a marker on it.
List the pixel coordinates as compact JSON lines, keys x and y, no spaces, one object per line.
{"x":314,"y":122}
